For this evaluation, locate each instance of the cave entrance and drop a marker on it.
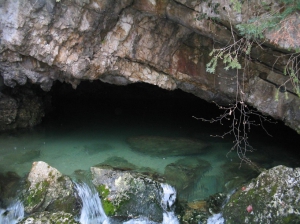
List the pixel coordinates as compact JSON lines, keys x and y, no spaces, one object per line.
{"x":143,"y":128}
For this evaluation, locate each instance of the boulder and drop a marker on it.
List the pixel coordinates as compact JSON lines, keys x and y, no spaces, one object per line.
{"x":48,"y":189}
{"x":164,"y":146}
{"x":273,"y":197}
{"x":128,"y":194}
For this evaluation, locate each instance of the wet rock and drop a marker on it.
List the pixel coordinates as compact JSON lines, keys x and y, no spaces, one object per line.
{"x":192,"y":212}
{"x":49,"y":218}
{"x":48,"y":190}
{"x":119,"y":163}
{"x":184,"y":172}
{"x":163,"y":146}
{"x":273,"y":197}
{"x":215,"y":203}
{"x":9,"y":184}
{"x":125,"y":193}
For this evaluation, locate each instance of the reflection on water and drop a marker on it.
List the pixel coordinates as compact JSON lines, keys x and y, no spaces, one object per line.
{"x":158,"y":138}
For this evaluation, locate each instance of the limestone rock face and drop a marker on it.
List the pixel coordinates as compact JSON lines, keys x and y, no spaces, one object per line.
{"x":273,"y":197}
{"x":48,"y":188}
{"x":164,"y":43}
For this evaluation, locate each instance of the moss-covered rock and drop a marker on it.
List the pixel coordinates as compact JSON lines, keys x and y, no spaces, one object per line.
{"x":273,"y":197}
{"x":108,"y":206}
{"x":125,"y":193}
{"x":48,"y":188}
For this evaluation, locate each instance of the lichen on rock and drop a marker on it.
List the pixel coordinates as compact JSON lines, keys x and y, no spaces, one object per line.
{"x":48,"y":188}
{"x":273,"y":197}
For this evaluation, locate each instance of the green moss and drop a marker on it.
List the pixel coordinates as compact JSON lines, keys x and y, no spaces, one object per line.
{"x":273,"y":189}
{"x":36,"y":195}
{"x":103,"y":191}
{"x":291,"y":219}
{"x":107,"y":205}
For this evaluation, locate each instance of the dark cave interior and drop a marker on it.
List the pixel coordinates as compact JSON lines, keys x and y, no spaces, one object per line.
{"x":140,"y":102}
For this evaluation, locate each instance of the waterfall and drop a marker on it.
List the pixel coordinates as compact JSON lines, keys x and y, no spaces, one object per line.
{"x":168,"y":200}
{"x":12,"y":214}
{"x":91,"y":211}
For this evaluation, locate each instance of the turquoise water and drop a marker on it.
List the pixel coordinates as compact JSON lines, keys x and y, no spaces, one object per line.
{"x":86,"y":130}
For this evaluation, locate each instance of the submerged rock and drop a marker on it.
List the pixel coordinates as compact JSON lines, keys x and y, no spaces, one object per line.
{"x":128,"y":194}
{"x":184,"y":172}
{"x":48,"y":189}
{"x":94,"y":148}
{"x":119,"y":163}
{"x":163,"y":146}
{"x":23,"y":157}
{"x":273,"y":197}
{"x":49,"y":218}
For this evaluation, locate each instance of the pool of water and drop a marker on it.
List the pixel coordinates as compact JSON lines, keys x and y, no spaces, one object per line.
{"x":78,"y":137}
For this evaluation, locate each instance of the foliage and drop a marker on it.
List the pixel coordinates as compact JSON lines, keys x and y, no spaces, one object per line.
{"x":256,"y":26}
{"x":252,"y":32}
{"x":237,"y":5}
{"x":229,"y":55}
{"x":283,"y":28}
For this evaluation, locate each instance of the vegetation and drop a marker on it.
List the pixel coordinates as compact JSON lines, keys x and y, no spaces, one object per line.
{"x":107,"y":205}
{"x":237,"y":55}
{"x":36,"y":196}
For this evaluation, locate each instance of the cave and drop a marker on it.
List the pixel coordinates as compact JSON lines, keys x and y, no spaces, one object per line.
{"x":96,"y":122}
{"x":177,"y":93}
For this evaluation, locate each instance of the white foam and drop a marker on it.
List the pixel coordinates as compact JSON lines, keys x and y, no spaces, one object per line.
{"x":13,"y":214}
{"x":91,"y":211}
{"x":216,"y":219}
